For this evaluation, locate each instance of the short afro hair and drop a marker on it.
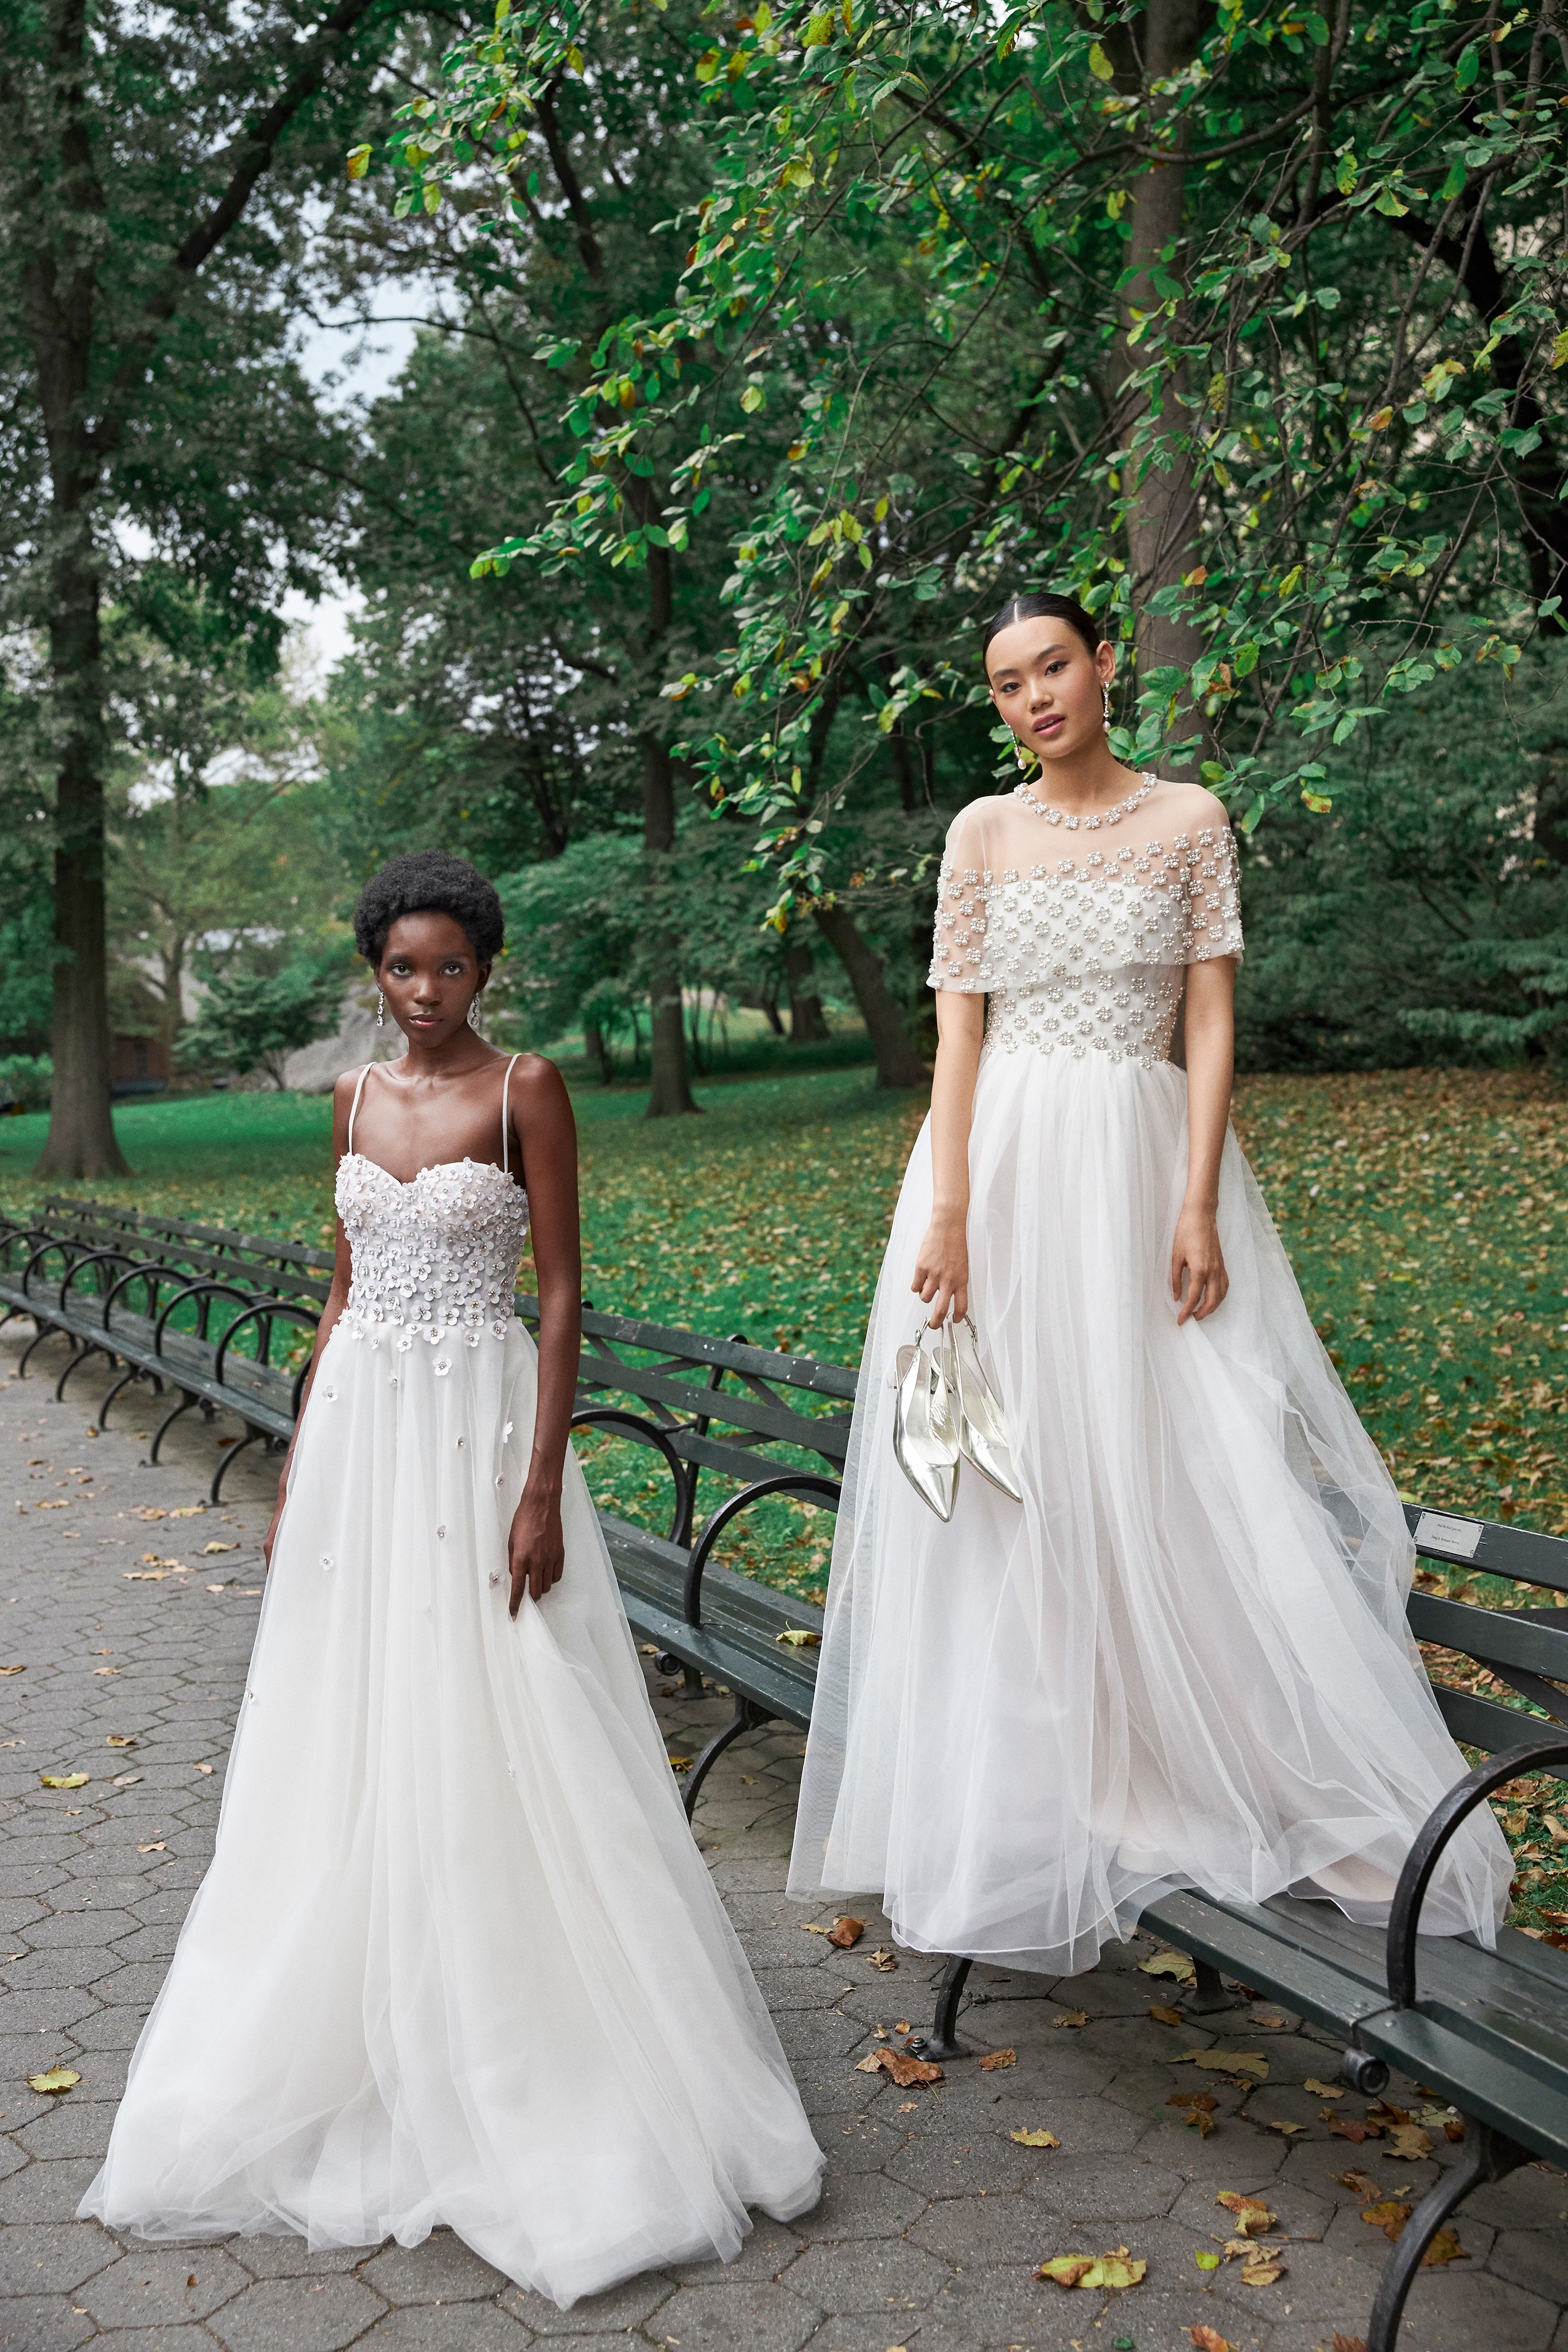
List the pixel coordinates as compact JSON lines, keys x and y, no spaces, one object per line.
{"x":430,"y":882}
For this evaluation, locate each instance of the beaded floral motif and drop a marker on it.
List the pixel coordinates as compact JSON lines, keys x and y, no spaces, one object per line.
{"x":1087,"y":953}
{"x":438,"y":1257}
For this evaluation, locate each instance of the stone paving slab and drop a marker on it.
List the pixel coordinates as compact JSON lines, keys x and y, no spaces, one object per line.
{"x":935,"y":2216}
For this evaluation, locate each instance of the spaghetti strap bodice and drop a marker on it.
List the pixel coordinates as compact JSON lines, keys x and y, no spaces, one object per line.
{"x":435,"y":1259}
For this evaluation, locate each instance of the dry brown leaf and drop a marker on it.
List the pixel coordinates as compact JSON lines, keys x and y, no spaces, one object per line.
{"x":1286,"y":2131}
{"x":1347,"y":2343}
{"x":1262,"y":2272}
{"x":846,"y":1933}
{"x":1169,"y":1964}
{"x":1383,"y":2111}
{"x":1036,"y":2138}
{"x":1362,"y":2183}
{"x":1347,"y":2127}
{"x":1273,"y":2021}
{"x":50,"y":1506}
{"x":204,"y":1768}
{"x":1203,"y":2099}
{"x":905,"y":2068}
{"x":676,"y":1763}
{"x":161,"y":1847}
{"x":58,"y":2079}
{"x":1072,"y":2017}
{"x":125,"y":1779}
{"x":220,"y":1547}
{"x":994,"y":2060}
{"x":1323,"y":2090}
{"x":883,"y":1959}
{"x":1200,"y":2121}
{"x":1208,"y":2339}
{"x":1390,"y":2213}
{"x":13,"y":1670}
{"x":1453,"y":2128}
{"x":1408,"y":2141}
{"x":901,"y":2025}
{"x":1252,"y":2215}
{"x":149,"y":1511}
{"x":1226,"y":2062}
{"x":1095,"y":2273}
{"x":119,"y":1739}
{"x":106,"y":1669}
{"x":1166,"y":2016}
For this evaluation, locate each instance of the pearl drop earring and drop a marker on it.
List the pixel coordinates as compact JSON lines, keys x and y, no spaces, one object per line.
{"x":1105,"y":690}
{"x":381,"y":1008}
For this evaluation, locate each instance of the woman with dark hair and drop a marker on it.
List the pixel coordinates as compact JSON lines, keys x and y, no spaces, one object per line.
{"x":1125,"y":1610}
{"x":457,"y":1958}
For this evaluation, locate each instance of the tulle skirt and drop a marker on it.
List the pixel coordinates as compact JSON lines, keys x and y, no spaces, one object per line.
{"x":457,"y":1958}
{"x":1182,"y":1660}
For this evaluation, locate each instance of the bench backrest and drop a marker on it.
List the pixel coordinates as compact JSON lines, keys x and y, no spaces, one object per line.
{"x":1523,"y":1648}
{"x":260,"y":1263}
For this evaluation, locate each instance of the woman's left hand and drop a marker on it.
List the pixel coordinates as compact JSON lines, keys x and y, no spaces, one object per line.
{"x":1198,"y":1278}
{"x":537,"y":1549}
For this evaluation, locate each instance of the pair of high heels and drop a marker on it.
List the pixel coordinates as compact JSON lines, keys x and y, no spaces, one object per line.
{"x":946,"y":1410}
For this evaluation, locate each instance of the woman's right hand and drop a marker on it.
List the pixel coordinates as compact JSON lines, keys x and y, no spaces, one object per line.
{"x":941,"y":1268}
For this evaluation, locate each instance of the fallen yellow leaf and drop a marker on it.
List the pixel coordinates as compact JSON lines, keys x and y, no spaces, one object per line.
{"x":13,"y":1670}
{"x":676,"y":1763}
{"x":994,"y":2060}
{"x":1226,"y":2061}
{"x":1323,"y":2090}
{"x":58,"y":2079}
{"x":905,"y":2068}
{"x":1262,"y":2272}
{"x":795,"y":1637}
{"x":1252,"y":2215}
{"x":1169,"y":1964}
{"x":1286,"y":2130}
{"x":1072,"y":2017}
{"x":1165,"y":2016}
{"x":1409,"y":2141}
{"x":1036,"y":2138}
{"x":1117,"y":2270}
{"x":119,"y":1739}
{"x":1208,"y":2339}
{"x":64,"y":1779}
{"x":883,"y":1959}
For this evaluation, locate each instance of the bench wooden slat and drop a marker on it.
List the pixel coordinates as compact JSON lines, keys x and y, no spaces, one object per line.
{"x":828,"y":1435}
{"x":1500,"y":1636}
{"x":1483,"y":1723}
{"x":1517,"y":1552}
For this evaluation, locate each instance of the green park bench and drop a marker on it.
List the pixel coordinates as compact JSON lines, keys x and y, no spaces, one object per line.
{"x":1485,"y":2031}
{"x":191,"y":1310}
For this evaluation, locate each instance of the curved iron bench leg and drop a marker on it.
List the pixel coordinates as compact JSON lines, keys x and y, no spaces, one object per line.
{"x":126,"y":1377}
{"x":747,"y":1717}
{"x":44,"y":1331}
{"x":187,"y":1402}
{"x":942,"y":2041}
{"x":1488,"y":2155}
{"x":88,"y":1348}
{"x":215,"y":1492}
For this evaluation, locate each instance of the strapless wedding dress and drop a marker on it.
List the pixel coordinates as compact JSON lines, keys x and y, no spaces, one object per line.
{"x":457,"y":1958}
{"x":1183,"y":1659}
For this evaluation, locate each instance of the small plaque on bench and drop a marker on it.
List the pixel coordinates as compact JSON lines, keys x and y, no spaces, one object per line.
{"x":1435,"y":1531}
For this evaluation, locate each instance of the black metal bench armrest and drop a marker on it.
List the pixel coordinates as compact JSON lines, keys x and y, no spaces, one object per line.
{"x":796,"y":1482}
{"x":646,"y":1433}
{"x":1403,"y":1918}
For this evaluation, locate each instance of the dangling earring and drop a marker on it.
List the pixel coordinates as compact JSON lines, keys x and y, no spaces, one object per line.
{"x":1105,"y":690}
{"x":473,"y":1010}
{"x":381,"y":1008}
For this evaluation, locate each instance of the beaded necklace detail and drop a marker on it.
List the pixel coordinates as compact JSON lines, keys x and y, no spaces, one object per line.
{"x":1090,"y":824}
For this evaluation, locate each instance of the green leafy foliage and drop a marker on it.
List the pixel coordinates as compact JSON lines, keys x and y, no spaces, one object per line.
{"x":250,"y":1021}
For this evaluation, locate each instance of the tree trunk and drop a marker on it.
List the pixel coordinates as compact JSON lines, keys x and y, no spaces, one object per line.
{"x":807,"y":1023}
{"x":898,"y":1063}
{"x":1161,"y":522}
{"x":669,"y":1087}
{"x":768,"y":999}
{"x":596,"y":1048}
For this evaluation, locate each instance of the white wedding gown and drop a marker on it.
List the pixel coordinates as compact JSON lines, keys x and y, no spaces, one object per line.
{"x":1182,"y":1660}
{"x":457,"y":1958}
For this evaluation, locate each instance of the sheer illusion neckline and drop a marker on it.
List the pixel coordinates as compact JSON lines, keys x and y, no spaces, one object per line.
{"x":406,"y":1183}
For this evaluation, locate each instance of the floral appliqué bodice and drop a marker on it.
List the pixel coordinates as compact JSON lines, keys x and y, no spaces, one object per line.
{"x":1081,"y":953}
{"x":438,"y":1256}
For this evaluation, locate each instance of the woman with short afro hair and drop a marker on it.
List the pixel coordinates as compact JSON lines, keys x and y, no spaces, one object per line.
{"x":457,"y":1960}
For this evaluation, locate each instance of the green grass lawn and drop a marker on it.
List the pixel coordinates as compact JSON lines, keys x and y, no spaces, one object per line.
{"x":1423,"y":1211}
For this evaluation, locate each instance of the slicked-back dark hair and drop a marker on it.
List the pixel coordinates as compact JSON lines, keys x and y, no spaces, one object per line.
{"x":430,"y":882}
{"x":1044,"y":607}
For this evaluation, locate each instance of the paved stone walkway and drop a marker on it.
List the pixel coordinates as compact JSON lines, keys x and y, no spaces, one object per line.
{"x":935,"y":2215}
